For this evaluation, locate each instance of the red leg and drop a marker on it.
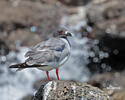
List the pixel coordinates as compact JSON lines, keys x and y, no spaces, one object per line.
{"x":57,"y":74}
{"x":47,"y":73}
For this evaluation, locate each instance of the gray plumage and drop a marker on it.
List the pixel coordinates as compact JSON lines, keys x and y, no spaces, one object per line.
{"x":49,"y":53}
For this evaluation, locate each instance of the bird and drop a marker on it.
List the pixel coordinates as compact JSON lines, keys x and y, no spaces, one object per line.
{"x":48,"y":55}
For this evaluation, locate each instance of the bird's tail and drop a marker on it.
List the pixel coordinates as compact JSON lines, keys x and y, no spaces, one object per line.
{"x":24,"y":65}
{"x":21,"y":65}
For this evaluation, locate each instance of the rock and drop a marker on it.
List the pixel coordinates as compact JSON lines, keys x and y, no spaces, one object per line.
{"x":112,"y":83}
{"x":112,"y":45}
{"x":29,"y":39}
{"x":105,"y":80}
{"x":107,"y":20}
{"x":109,"y":54}
{"x":27,"y":97}
{"x":38,"y":83}
{"x":28,"y":21}
{"x":4,"y":50}
{"x":64,"y":90}
{"x":120,"y":95}
{"x":74,"y":2}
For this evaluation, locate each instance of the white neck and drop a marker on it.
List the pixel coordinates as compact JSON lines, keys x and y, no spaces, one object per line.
{"x":67,"y":42}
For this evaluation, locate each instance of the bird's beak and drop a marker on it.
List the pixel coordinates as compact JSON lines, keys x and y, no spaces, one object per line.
{"x":68,"y":34}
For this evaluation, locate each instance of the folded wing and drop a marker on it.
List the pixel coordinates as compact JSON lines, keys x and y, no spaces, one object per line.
{"x":46,"y":53}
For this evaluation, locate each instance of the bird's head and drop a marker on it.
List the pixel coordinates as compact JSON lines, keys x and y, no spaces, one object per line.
{"x":62,"y":33}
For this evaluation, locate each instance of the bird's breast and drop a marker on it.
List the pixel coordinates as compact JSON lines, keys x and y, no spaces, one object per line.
{"x":66,"y":52}
{"x":46,"y":68}
{"x":66,"y":41}
{"x":64,"y":60}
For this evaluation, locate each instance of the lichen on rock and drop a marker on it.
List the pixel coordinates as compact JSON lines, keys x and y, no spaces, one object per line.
{"x":68,"y":90}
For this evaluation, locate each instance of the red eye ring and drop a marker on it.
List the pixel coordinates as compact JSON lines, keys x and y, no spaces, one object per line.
{"x":60,"y":31}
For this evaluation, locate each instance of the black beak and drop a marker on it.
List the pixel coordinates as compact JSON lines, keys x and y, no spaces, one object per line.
{"x":69,"y":34}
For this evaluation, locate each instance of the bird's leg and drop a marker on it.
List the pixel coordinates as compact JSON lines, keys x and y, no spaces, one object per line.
{"x":47,"y":73}
{"x":57,"y":74}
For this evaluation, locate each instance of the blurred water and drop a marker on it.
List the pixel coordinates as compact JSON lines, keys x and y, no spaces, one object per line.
{"x":14,"y":85}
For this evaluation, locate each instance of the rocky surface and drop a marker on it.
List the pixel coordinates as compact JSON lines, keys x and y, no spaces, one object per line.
{"x":65,"y":90}
{"x":119,"y":95}
{"x":28,"y":21}
{"x":74,"y":2}
{"x":107,"y":20}
{"x":3,"y":48}
{"x":112,"y":83}
{"x":28,"y":97}
{"x":106,"y":79}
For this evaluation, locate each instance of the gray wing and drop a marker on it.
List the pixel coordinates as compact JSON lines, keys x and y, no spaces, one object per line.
{"x":46,"y":53}
{"x":51,"y":44}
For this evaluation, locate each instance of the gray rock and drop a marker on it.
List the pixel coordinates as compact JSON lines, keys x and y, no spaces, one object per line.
{"x":112,"y":83}
{"x":4,"y":50}
{"x":107,"y":17}
{"x":27,"y":21}
{"x":68,"y":90}
{"x":74,"y":2}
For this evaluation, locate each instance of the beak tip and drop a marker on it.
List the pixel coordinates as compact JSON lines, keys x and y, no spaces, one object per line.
{"x":69,"y":34}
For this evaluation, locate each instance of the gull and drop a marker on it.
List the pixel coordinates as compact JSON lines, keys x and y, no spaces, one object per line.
{"x":48,"y":55}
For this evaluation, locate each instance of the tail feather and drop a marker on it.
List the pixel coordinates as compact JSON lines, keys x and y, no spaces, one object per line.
{"x":24,"y":65}
{"x":21,"y":65}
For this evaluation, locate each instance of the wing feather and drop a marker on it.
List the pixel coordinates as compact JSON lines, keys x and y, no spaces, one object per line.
{"x":47,"y":53}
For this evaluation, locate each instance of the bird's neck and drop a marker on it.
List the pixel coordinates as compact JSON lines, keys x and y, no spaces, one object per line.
{"x":66,"y":39}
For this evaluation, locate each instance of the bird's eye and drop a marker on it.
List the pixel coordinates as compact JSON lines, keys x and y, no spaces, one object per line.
{"x":60,"y":31}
